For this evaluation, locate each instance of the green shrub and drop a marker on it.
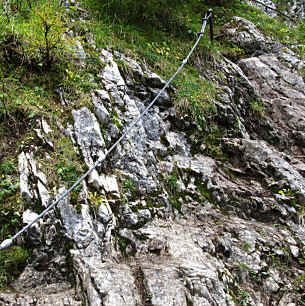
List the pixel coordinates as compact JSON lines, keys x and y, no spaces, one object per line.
{"x":33,"y":36}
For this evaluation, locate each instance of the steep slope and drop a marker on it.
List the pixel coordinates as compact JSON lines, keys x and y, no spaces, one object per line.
{"x":176,"y":215}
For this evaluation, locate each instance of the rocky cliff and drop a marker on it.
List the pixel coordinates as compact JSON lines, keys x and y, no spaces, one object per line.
{"x":163,"y":221}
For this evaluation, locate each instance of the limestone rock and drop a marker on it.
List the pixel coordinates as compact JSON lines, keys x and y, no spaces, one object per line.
{"x":111,"y":74}
{"x":294,"y":251}
{"x":79,"y":228}
{"x":110,"y":284}
{"x":23,"y":167}
{"x":34,"y":232}
{"x":186,"y":275}
{"x":58,"y":297}
{"x":267,"y":10}
{"x":178,"y":143}
{"x":276,"y":76}
{"x":199,"y":164}
{"x":43,"y":131}
{"x":260,"y":154}
{"x":88,"y":135}
{"x":245,"y":34}
{"x":100,"y":110}
{"x":154,"y":80}
{"x":110,"y":185}
{"x":213,"y":236}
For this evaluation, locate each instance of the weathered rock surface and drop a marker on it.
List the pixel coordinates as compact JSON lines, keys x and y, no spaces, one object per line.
{"x":23,"y":167}
{"x":52,"y":295}
{"x":282,"y":90}
{"x":294,"y":9}
{"x":42,"y":131}
{"x":178,"y":272}
{"x":88,"y":135}
{"x":259,"y":154}
{"x":33,"y":183}
{"x":160,"y":222}
{"x":267,"y":6}
{"x":246,"y":35}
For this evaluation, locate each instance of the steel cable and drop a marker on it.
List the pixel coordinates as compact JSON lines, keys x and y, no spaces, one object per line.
{"x":8,"y":242}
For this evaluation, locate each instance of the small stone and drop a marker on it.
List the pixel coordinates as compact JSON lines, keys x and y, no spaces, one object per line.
{"x":156,"y":244}
{"x":110,"y":184}
{"x":294,"y":251}
{"x":154,"y":80}
{"x":271,"y":285}
{"x":291,"y":209}
{"x":23,"y":166}
{"x":144,"y":214}
{"x":203,"y":147}
{"x":79,"y":52}
{"x":104,"y":213}
{"x":44,"y":194}
{"x":178,"y":143}
{"x":94,"y":179}
{"x":164,"y":97}
{"x":111,"y":74}
{"x":6,"y":243}
{"x":34,"y":231}
{"x":279,"y":252}
{"x":103,"y":95}
{"x":113,"y":130}
{"x":180,"y":187}
{"x":130,"y":219}
{"x":88,"y":135}
{"x":166,"y":167}
{"x":45,"y":127}
{"x":100,"y":229}
{"x":100,"y":111}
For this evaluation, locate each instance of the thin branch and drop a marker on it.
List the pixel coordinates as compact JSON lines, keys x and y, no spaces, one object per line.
{"x":6,"y":11}
{"x":274,"y":9}
{"x":3,"y":103}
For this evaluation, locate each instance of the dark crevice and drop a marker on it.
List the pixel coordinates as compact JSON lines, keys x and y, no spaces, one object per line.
{"x":101,"y":295}
{"x":144,"y":293}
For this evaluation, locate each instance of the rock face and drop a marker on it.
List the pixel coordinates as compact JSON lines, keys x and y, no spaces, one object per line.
{"x":32,"y":180}
{"x":245,"y":34}
{"x":179,"y":272}
{"x":258,"y":153}
{"x":161,"y":222}
{"x":294,"y":9}
{"x":55,"y":295}
{"x":282,"y":90}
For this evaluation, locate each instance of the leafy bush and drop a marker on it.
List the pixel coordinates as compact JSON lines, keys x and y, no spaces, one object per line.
{"x":156,"y":14}
{"x":33,"y":35}
{"x":7,"y":188}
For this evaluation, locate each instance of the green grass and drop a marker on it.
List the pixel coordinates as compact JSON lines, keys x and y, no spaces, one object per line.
{"x":10,"y":203}
{"x":276,"y":28}
{"x":258,"y":108}
{"x":36,"y":57}
{"x":157,"y":33}
{"x":12,"y":262}
{"x":161,"y":43}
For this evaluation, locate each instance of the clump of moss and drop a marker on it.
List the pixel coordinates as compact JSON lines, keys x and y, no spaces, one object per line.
{"x":12,"y":262}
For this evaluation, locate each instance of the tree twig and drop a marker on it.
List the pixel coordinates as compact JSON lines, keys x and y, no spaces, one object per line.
{"x":3,"y":103}
{"x":274,"y":9}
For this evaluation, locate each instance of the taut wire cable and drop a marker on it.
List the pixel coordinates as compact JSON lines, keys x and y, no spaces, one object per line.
{"x":8,"y":242}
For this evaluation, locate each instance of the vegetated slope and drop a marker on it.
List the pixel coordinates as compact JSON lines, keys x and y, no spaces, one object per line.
{"x":202,"y":204}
